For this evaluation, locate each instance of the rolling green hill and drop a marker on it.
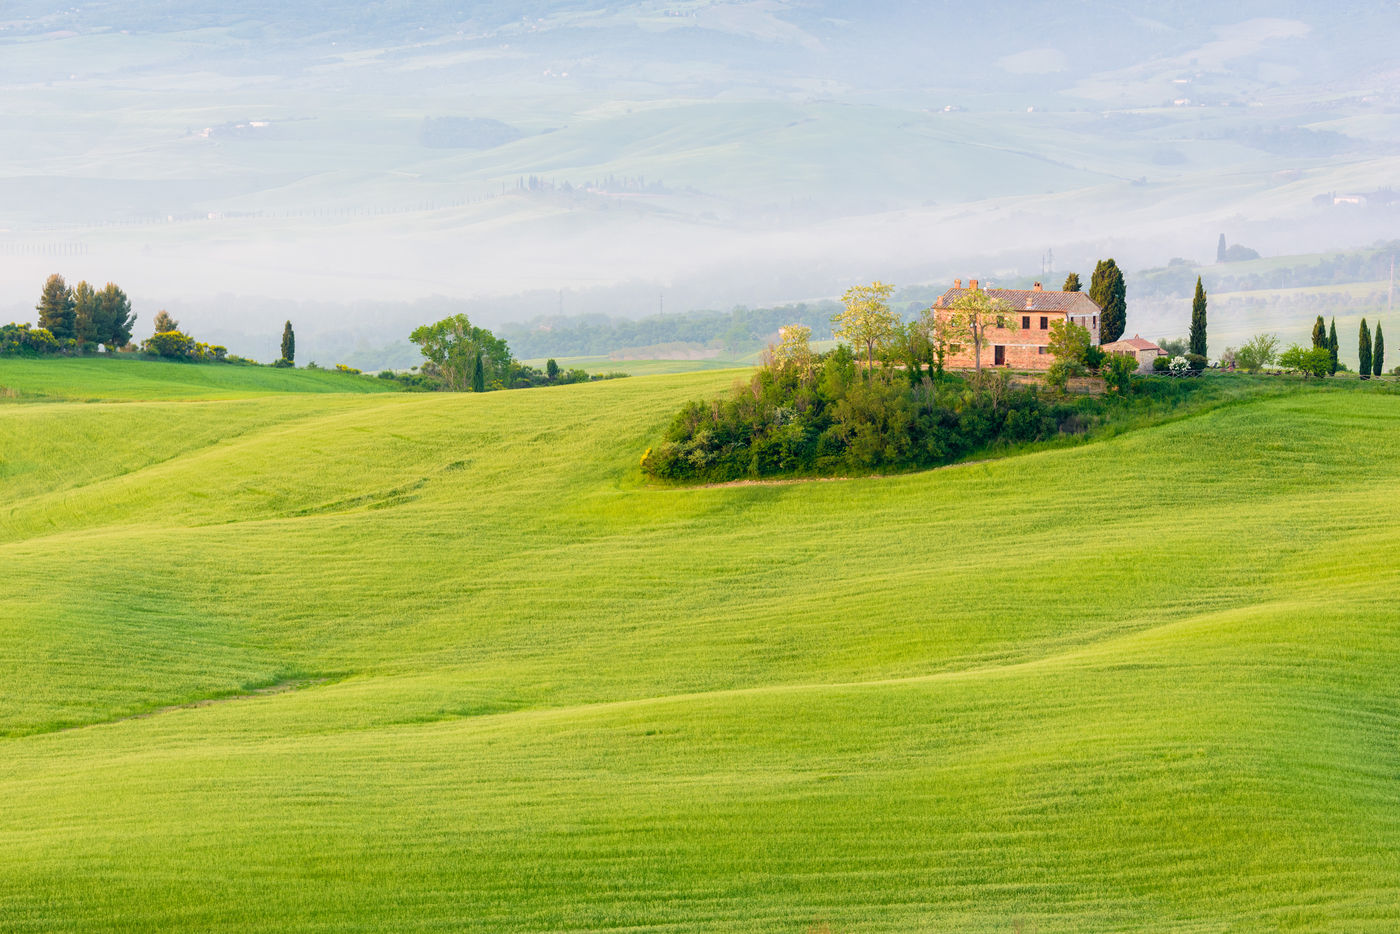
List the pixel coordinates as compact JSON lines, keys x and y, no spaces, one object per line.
{"x":97,"y":378}
{"x":443,"y":662}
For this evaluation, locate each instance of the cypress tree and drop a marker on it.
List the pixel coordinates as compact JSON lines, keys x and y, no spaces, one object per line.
{"x":1319,"y":332}
{"x":1378,"y":352}
{"x":1071,"y":283}
{"x":1109,"y":292}
{"x":551,"y":369}
{"x":1333,"y":346}
{"x":1220,"y":249}
{"x":1363,"y":350}
{"x":478,"y":374}
{"x":1198,"y":320}
{"x":289,"y":343}
{"x":55,"y":308}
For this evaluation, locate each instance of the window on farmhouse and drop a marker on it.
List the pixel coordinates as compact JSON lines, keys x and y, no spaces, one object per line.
{"x":955,"y":348}
{"x":1044,"y":322}
{"x":1026,"y":322}
{"x":1001,"y":321}
{"x":1044,"y":351}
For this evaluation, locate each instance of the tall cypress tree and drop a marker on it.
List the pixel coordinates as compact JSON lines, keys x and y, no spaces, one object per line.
{"x":289,"y":343}
{"x":1319,"y":332}
{"x":1109,"y":292}
{"x":1363,"y":350}
{"x":1071,"y":283}
{"x":1378,"y":352}
{"x":1220,"y":250}
{"x":1198,"y":320}
{"x":1333,"y":346}
{"x":478,"y":374}
{"x":56,"y":308}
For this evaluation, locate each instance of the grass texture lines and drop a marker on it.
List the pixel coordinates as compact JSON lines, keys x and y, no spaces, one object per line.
{"x":489,"y":679}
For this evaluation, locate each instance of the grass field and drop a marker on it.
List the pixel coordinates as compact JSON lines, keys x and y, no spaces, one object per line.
{"x":98,"y":379}
{"x":1144,"y":683}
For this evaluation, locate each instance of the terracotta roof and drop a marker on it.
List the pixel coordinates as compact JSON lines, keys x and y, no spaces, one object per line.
{"x":1075,"y":303}
{"x":1133,"y":343}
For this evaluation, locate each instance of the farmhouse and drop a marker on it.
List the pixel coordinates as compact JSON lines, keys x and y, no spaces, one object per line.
{"x":1144,"y":350}
{"x":1032,"y":311}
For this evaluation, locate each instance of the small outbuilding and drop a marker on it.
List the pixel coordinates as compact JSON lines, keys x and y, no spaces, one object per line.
{"x":1144,"y":350}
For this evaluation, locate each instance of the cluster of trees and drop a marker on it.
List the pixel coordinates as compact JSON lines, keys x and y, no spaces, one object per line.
{"x":1318,"y":360}
{"x":1233,"y":253}
{"x":882,"y":398}
{"x":79,"y":317}
{"x":462,"y":357}
{"x":806,"y":413}
{"x":171,"y":343}
{"x":73,"y":319}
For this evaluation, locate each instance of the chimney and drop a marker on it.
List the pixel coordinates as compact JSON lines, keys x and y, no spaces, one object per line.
{"x":972,"y":284}
{"x":957,"y":283}
{"x":1038,"y":288}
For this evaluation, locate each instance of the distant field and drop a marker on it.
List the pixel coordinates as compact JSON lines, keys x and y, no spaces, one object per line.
{"x":97,"y":378}
{"x":1146,"y":683}
{"x":642,"y":367}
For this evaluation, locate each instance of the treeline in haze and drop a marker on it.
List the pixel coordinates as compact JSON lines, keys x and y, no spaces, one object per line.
{"x":1178,"y":278}
{"x":737,"y":331}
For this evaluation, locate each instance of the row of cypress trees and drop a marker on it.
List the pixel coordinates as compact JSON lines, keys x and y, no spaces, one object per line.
{"x":1370,"y":351}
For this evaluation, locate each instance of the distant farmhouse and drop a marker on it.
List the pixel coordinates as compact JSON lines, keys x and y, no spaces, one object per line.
{"x":1027,"y":348}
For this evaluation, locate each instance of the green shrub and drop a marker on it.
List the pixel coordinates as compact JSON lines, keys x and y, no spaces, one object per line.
{"x":1315,"y":362}
{"x":23,"y":340}
{"x":1160,"y":364}
{"x":283,"y":363}
{"x":1118,"y":370}
{"x":1197,"y":362}
{"x":173,"y":345}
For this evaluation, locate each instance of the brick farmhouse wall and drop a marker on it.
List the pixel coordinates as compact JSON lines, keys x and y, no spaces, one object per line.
{"x":1026,"y":348}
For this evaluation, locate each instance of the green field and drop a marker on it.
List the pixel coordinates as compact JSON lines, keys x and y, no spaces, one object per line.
{"x":1142,"y":683}
{"x":99,"y":379}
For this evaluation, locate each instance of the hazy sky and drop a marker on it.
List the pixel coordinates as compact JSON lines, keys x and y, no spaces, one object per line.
{"x":724,"y":151}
